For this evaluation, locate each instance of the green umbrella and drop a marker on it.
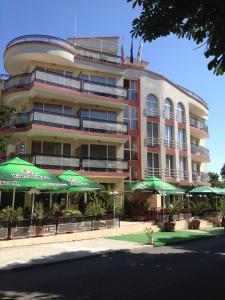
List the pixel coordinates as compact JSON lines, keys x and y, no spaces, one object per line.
{"x":156,"y":185}
{"x":77,"y":183}
{"x":20,"y":174}
{"x":205,"y":189}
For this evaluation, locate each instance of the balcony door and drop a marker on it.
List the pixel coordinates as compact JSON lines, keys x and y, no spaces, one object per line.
{"x":153,"y":164}
{"x":152,"y":130}
{"x":101,"y":152}
{"x":182,"y":138}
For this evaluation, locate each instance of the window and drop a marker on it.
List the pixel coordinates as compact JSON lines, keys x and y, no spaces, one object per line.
{"x":153,"y":160}
{"x":182,"y":167}
{"x":180,"y":113}
{"x":169,"y":166}
{"x":131,"y":86}
{"x":97,"y":151}
{"x":169,"y":133}
{"x":168,"y":109}
{"x":66,"y":149}
{"x":36,"y":147}
{"x":152,"y":106}
{"x":97,"y":114}
{"x":51,"y":148}
{"x":152,"y":130}
{"x":182,"y":138}
{"x":130,"y":149}
{"x":130,"y":117}
{"x":54,"y":108}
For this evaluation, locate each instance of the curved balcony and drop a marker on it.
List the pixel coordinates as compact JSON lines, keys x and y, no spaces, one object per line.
{"x":198,"y":128}
{"x":199,"y":153}
{"x":84,"y":88}
{"x":49,"y":161}
{"x":21,"y":50}
{"x":24,"y":121}
{"x":200,"y":176}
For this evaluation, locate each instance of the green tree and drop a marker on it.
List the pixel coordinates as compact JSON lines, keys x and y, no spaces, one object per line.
{"x":200,"y":20}
{"x":214,"y":180}
{"x":222,"y":172}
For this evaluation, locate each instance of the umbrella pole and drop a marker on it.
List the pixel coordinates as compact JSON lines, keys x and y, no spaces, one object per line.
{"x":32,"y":206}
{"x":67,"y":200}
{"x":50,"y":200}
{"x":14,"y":196}
{"x":0,"y":198}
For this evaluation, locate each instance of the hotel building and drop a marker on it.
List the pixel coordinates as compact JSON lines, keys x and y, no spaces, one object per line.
{"x":80,"y":106}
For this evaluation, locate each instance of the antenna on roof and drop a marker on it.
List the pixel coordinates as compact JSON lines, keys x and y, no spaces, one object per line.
{"x":75,"y":25}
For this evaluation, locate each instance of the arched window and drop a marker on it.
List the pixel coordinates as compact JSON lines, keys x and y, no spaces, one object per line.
{"x":152,"y":105}
{"x":180,"y":113}
{"x":168,"y":109}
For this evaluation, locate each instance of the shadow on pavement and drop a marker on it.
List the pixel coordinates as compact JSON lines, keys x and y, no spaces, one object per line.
{"x":193,"y":270}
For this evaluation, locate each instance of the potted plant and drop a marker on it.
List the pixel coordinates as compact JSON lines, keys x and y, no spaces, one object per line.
{"x":222,"y":209}
{"x":94,"y":209}
{"x":197,"y":209}
{"x":11,"y":217}
{"x":149,"y":232}
{"x":172,"y":210}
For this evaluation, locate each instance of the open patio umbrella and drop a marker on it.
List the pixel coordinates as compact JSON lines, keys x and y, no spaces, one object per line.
{"x":156,"y":185}
{"x":18,"y":174}
{"x":207,"y":190}
{"x":77,"y":183}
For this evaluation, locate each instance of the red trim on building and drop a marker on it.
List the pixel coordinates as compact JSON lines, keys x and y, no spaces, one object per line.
{"x":199,"y":156}
{"x":153,"y":149}
{"x":139,"y":130}
{"x":133,"y":163}
{"x":169,"y":122}
{"x":170,"y":151}
{"x":183,"y":153}
{"x":153,"y":119}
{"x":182,"y":125}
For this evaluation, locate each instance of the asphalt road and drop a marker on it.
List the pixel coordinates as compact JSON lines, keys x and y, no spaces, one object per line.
{"x":194,"y":270}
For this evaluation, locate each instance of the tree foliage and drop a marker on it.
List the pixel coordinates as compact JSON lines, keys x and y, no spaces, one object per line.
{"x":200,"y":20}
{"x":222,"y":172}
{"x":214,"y":180}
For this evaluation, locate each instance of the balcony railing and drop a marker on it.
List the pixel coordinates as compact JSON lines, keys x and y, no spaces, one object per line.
{"x":76,"y":50}
{"x":65,"y":81}
{"x":182,"y":174}
{"x":170,"y":173}
{"x":198,"y":124}
{"x":152,"y":142}
{"x":152,"y":112}
{"x":103,"y":164}
{"x":168,"y":115}
{"x":19,"y":120}
{"x":200,"y":176}
{"x":180,"y":119}
{"x":169,"y":143}
{"x":200,"y":150}
{"x":157,"y":172}
{"x":182,"y":146}
{"x":76,"y":163}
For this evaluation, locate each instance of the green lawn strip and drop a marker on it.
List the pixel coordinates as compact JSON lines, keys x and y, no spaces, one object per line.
{"x":167,"y":238}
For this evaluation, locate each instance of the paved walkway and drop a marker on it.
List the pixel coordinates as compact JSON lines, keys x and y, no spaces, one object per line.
{"x":26,"y":256}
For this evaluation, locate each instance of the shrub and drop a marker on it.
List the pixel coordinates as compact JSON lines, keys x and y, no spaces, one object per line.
{"x":72,"y":213}
{"x":8,"y":214}
{"x":94,"y":209}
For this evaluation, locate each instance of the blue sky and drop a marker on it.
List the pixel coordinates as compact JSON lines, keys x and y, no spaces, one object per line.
{"x":175,"y":59}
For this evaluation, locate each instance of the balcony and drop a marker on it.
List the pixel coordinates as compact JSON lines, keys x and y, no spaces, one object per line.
{"x":200,"y":176}
{"x":180,"y":119}
{"x":50,"y":161}
{"x":200,"y":153}
{"x":157,"y":172}
{"x":85,"y":87}
{"x":198,"y":128}
{"x":25,"y":120}
{"x":53,"y":50}
{"x":152,"y":112}
{"x":152,"y":142}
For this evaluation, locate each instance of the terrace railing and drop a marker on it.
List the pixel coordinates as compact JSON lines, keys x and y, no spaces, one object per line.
{"x":152,"y":142}
{"x":65,"y":81}
{"x":157,"y":172}
{"x":104,"y":164}
{"x":198,"y":124}
{"x":200,"y":150}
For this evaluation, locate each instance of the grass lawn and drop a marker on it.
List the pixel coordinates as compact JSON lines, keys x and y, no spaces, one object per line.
{"x":167,"y":238}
